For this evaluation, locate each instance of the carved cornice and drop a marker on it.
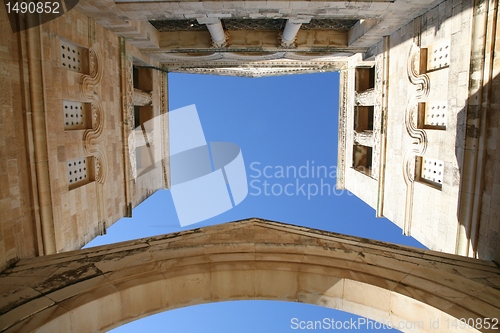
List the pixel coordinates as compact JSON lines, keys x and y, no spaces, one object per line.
{"x":271,"y":63}
{"x":255,"y":70}
{"x":244,"y":57}
{"x":252,"y":72}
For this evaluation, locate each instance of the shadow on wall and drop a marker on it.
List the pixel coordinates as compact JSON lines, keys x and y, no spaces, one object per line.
{"x":476,"y":144}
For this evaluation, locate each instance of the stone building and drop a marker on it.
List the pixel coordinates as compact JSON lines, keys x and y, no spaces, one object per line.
{"x":100,"y":288}
{"x":418,"y":132}
{"x":78,"y":89}
{"x":418,"y":137}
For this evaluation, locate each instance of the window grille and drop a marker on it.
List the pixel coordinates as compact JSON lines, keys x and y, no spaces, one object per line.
{"x":438,"y":55}
{"x":74,"y":57}
{"x":432,"y":171}
{"x":433,"y":115}
{"x":79,"y":172}
{"x":76,"y":115}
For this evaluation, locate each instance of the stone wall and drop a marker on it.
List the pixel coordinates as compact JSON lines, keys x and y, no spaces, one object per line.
{"x":429,"y":213}
{"x":49,"y":71}
{"x":16,"y":202}
{"x":435,"y":105}
{"x":488,"y":237}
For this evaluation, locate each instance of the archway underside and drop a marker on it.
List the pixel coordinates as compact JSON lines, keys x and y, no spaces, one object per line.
{"x":104,"y":287}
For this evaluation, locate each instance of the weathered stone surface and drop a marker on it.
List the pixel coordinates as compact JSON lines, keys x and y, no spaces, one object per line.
{"x":381,"y":281}
{"x":42,"y":214}
{"x":430,"y":62}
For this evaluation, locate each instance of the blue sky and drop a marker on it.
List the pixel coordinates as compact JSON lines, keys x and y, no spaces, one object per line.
{"x":279,"y":122}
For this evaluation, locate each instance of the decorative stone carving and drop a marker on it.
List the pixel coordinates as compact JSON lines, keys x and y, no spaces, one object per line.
{"x":342,"y":131}
{"x":100,"y":165}
{"x":163,"y":92}
{"x":128,"y":96}
{"x":287,"y":44}
{"x":92,"y":144}
{"x":89,"y":82}
{"x":375,"y":96}
{"x":238,"y":58}
{"x":419,"y":145}
{"x":259,"y":71}
{"x":222,"y":43}
{"x":128,"y":113}
{"x":413,"y":69}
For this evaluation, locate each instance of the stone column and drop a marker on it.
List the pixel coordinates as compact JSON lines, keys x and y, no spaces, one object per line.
{"x":289,"y":34}
{"x":216,"y":30}
{"x":142,"y":98}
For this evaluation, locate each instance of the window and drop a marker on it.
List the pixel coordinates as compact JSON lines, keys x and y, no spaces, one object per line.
{"x":363,"y":118}
{"x":430,"y":171}
{"x":365,"y":79}
{"x":435,"y":57}
{"x":432,"y":115}
{"x":76,"y":115}
{"x":74,"y":57}
{"x":143,"y":81}
{"x":362,"y":159}
{"x":80,"y":171}
{"x":142,"y":114}
{"x":143,"y":78}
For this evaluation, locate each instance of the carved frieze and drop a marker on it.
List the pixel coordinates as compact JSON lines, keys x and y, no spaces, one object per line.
{"x":256,"y":71}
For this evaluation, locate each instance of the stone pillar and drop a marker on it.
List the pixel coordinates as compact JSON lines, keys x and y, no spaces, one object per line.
{"x":365,"y":98}
{"x":289,"y":34}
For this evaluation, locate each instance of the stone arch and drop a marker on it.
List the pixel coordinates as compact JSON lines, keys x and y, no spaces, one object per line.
{"x":100,"y":288}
